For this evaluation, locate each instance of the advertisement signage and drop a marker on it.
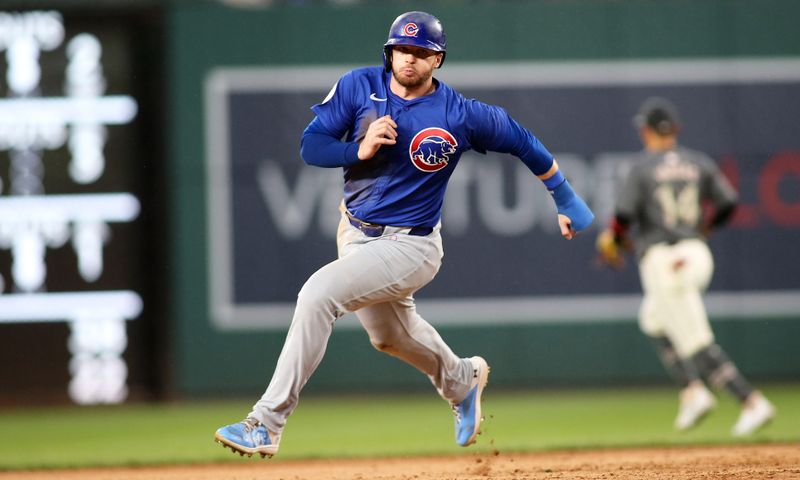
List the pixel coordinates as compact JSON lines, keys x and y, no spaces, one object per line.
{"x":272,"y":219}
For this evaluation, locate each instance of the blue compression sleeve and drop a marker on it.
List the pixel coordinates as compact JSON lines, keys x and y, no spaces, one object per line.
{"x":570,"y":204}
{"x":319,"y":148}
{"x":555,"y":180}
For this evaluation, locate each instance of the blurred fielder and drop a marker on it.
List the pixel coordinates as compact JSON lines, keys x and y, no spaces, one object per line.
{"x":398,"y":134}
{"x":663,"y":198}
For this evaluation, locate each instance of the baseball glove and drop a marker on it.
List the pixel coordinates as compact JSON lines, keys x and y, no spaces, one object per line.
{"x":609,"y":250}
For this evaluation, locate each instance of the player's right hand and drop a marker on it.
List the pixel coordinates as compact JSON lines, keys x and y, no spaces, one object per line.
{"x":382,"y":131}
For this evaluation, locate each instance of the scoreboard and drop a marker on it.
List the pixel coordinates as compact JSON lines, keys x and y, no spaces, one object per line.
{"x":76,"y":153}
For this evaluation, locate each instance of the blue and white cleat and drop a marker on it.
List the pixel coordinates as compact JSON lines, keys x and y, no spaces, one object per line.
{"x":248,"y":437}
{"x":468,"y":412}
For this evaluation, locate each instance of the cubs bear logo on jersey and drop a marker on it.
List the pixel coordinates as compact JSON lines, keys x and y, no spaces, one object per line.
{"x":430,"y":149}
{"x":410,"y":29}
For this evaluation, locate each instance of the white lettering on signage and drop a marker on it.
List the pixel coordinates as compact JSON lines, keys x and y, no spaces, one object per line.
{"x":482,"y":190}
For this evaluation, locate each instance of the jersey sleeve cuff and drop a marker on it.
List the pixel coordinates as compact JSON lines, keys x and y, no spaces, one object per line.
{"x":351,"y":154}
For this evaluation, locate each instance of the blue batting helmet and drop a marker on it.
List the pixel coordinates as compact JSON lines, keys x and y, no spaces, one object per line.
{"x":418,"y":29}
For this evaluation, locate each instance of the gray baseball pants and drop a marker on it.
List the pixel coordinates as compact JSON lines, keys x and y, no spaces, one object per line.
{"x":375,"y":277}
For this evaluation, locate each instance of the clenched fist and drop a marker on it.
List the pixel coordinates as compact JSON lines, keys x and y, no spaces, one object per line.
{"x":382,"y":131}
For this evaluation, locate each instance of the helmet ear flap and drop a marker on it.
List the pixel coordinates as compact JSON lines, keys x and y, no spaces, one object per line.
{"x":387,"y":59}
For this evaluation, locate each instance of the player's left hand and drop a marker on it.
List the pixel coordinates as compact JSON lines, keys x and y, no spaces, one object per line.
{"x":566,"y":227}
{"x":609,"y":252}
{"x":574,"y":215}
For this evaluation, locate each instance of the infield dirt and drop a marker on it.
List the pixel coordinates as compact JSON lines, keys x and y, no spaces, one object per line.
{"x":714,"y":462}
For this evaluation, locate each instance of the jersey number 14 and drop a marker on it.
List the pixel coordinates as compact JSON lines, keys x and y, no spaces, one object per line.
{"x":679,"y":203}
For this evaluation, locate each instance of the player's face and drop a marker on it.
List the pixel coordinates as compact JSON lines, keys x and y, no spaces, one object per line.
{"x":654,"y":141}
{"x":413,"y":66}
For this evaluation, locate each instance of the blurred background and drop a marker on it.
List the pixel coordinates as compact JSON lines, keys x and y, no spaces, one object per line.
{"x":157,"y":222}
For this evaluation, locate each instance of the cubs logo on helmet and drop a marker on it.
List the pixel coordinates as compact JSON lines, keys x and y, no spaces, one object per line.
{"x":410,"y":29}
{"x":430,"y":149}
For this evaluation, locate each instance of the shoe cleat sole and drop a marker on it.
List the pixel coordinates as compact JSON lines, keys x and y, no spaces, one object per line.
{"x":243,"y":453}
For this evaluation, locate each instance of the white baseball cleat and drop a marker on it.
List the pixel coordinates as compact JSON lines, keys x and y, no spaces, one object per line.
{"x":248,"y":437}
{"x":757,"y":412}
{"x":696,"y":401}
{"x":468,"y":412}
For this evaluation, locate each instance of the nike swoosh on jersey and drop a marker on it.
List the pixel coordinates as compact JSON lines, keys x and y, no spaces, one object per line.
{"x":374,"y":97}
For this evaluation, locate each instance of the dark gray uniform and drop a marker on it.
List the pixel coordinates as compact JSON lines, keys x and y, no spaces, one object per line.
{"x":664,"y":193}
{"x":663,"y":199}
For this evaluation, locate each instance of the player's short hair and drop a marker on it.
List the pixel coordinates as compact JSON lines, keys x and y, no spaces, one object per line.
{"x":659,"y":114}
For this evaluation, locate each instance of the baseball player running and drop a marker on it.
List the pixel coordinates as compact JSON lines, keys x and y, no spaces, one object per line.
{"x":663,"y":197}
{"x":398,"y":134}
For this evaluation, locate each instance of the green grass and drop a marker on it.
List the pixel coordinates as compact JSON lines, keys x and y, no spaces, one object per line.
{"x":374,"y":425}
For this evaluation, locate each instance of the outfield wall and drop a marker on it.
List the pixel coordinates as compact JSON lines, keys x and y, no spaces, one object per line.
{"x":251,"y":222}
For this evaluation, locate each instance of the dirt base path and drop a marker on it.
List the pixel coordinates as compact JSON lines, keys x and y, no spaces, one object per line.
{"x":707,"y":463}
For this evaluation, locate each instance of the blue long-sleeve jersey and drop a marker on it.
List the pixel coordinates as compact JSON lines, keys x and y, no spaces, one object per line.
{"x":404,"y":184}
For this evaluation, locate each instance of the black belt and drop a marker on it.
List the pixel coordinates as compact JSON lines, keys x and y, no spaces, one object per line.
{"x":374,"y":230}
